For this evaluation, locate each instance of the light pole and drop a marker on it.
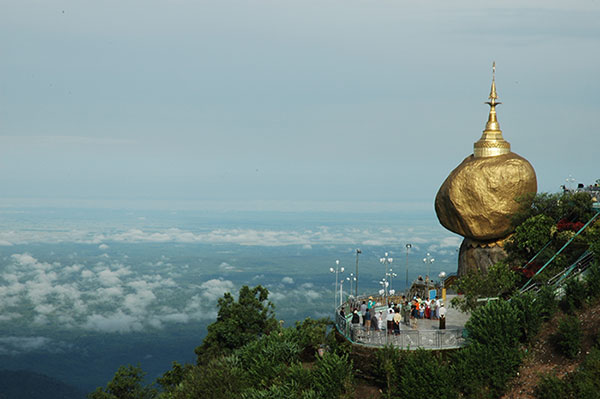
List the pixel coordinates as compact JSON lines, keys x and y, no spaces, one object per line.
{"x":358,"y":252}
{"x":428,"y":261}
{"x":383,"y":291}
{"x":570,"y":180}
{"x":392,"y":275}
{"x":337,"y":271}
{"x":341,"y":291}
{"x":351,"y":279}
{"x":408,"y":247}
{"x":386,"y":261}
{"x":442,"y":276}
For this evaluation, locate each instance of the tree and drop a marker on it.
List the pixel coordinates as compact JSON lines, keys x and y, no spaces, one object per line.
{"x":493,"y":356}
{"x":529,"y":238}
{"x":499,"y":281}
{"x":126,"y":384}
{"x":238,"y":322}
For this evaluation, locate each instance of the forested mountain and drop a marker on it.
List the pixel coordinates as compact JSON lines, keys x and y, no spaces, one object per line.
{"x":29,"y":385}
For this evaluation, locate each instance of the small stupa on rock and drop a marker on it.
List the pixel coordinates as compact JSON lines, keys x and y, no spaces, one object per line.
{"x":477,"y":199}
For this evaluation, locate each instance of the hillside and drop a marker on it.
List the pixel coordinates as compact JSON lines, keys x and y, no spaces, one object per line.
{"x":25,"y":384}
{"x":543,"y":357}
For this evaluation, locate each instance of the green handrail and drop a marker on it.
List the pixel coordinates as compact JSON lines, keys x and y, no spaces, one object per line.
{"x":565,"y":274}
{"x":560,"y":250}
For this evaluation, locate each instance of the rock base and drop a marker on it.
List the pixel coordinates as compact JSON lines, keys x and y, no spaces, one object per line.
{"x":480,"y":255}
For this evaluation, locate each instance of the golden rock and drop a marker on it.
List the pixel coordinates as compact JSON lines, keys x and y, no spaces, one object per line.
{"x":478,"y":197}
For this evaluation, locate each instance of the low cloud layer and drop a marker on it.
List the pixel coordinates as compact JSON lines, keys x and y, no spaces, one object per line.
{"x":305,"y":238}
{"x":105,"y":297}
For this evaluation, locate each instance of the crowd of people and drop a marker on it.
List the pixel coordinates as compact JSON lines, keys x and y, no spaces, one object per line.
{"x":406,"y":312}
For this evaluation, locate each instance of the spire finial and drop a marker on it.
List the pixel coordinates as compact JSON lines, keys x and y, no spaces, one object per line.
{"x":492,"y":143}
{"x":493,"y":96}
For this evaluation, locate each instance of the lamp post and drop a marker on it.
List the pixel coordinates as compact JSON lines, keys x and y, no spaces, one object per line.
{"x":358,"y":252}
{"x":386,"y":261}
{"x":337,"y":271}
{"x":428,"y":261}
{"x":408,"y":247}
{"x":392,"y":275}
{"x":383,"y":291}
{"x":351,"y":279}
{"x":442,"y":276}
{"x":570,"y":180}
{"x":341,"y":291}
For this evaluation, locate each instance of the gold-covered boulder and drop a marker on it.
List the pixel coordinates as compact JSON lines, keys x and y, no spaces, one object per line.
{"x":478,"y":197}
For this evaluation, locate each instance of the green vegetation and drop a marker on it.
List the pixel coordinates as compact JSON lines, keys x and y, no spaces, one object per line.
{"x":568,"y":336}
{"x":238,"y":323}
{"x":544,"y":224}
{"x":248,"y":355}
{"x":126,"y":384}
{"x":414,"y":374}
{"x":584,"y":383}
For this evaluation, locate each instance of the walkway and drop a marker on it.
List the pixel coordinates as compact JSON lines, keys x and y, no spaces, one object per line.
{"x":426,"y":335}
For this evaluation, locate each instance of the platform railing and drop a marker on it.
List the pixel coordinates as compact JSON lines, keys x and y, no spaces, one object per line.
{"x":406,"y":338}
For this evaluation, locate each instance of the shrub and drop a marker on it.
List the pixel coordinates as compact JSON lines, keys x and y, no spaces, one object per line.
{"x":529,"y":312}
{"x":568,"y":336}
{"x":492,"y":357}
{"x":222,"y":378}
{"x":289,"y":390}
{"x":312,"y":333}
{"x":422,"y":374}
{"x":267,"y":359}
{"x":498,"y":281}
{"x":548,"y":305}
{"x":592,"y":280}
{"x":584,"y":383}
{"x":483,"y":371}
{"x":387,"y":363}
{"x":586,"y":380}
{"x":574,"y":297}
{"x":550,"y":387}
{"x":332,"y":376}
{"x":495,"y":324}
{"x":126,"y":384}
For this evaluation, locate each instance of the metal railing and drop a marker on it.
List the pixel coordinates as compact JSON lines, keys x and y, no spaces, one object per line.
{"x":406,"y":338}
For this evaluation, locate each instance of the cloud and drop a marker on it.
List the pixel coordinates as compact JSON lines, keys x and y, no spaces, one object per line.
{"x":13,"y":345}
{"x":306,"y":238}
{"x":441,"y":247}
{"x":115,"y":322}
{"x":24,"y":259}
{"x":113,"y":297}
{"x":312,"y":294}
{"x":225,"y":267}
{"x":287,"y":280}
{"x":137,"y":302}
{"x":87,"y":273}
{"x":109,"y":278}
{"x":215,"y":288}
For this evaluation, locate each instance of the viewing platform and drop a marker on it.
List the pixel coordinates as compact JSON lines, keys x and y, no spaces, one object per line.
{"x":418,"y":333}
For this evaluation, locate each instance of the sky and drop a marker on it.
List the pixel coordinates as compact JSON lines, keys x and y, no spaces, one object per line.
{"x":329,"y":104}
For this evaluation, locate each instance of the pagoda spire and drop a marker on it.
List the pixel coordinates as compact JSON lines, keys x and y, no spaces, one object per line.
{"x":491,"y":142}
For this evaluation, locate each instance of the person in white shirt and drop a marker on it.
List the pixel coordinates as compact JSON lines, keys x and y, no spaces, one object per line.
{"x":442,"y":312}
{"x":390,"y":320}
